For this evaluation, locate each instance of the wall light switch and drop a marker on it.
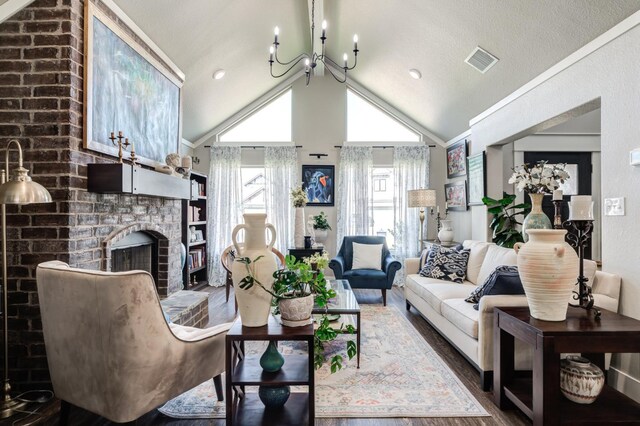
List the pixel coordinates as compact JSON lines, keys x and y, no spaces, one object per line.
{"x":614,"y":206}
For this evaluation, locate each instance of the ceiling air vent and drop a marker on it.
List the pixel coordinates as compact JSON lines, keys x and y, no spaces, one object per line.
{"x":481,"y":60}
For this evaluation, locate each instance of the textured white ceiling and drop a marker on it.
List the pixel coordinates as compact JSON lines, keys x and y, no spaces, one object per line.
{"x":434,"y":36}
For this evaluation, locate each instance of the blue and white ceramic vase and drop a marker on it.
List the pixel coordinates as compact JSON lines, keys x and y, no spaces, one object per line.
{"x":536,"y":219}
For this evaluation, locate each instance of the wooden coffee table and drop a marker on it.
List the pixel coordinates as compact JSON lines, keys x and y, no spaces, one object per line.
{"x":345,"y":305}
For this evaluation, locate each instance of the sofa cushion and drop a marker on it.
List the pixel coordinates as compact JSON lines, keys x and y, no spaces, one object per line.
{"x":446,"y":264}
{"x":434,"y":291}
{"x":496,"y":256}
{"x":478,"y":250}
{"x":462,"y":315}
{"x":503,"y":280}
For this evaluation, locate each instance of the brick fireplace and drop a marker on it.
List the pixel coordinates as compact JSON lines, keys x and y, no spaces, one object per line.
{"x":41,"y":105}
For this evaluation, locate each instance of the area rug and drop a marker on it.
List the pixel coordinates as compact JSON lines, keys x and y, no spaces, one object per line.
{"x":400,"y":375}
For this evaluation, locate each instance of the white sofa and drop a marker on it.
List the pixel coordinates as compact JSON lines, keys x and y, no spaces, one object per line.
{"x":442,"y":304}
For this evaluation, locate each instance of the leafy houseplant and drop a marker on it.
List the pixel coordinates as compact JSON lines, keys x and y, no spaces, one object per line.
{"x":320,"y":222}
{"x":504,"y":223}
{"x":297,"y":280}
{"x":317,"y":261}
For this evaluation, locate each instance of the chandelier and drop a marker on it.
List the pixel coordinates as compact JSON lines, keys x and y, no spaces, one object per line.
{"x":311,"y":60}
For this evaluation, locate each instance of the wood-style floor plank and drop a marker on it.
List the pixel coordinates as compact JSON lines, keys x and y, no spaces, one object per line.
{"x":220,"y":311}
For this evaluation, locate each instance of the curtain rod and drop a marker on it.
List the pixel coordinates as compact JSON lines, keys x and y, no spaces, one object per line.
{"x":255,"y":146}
{"x":383,"y":146}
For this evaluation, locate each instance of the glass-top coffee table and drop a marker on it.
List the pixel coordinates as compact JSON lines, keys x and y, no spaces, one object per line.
{"x":345,"y":308}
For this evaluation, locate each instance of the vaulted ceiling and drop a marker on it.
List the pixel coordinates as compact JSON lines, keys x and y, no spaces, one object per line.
{"x":434,"y":36}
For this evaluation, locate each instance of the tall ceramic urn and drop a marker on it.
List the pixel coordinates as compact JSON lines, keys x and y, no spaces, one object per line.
{"x":548,"y":268}
{"x":254,"y":303}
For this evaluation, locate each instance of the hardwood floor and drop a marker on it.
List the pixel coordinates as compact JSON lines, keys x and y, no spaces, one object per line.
{"x":220,"y":311}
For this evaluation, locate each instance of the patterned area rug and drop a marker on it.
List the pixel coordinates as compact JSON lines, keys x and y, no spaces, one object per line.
{"x":400,"y":375}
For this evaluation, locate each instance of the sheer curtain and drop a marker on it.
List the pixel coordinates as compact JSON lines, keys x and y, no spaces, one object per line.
{"x":224,"y":205}
{"x":354,"y":191}
{"x":281,"y":170}
{"x":411,"y":171}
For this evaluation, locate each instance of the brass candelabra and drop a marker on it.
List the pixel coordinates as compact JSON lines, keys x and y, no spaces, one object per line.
{"x":124,"y":146}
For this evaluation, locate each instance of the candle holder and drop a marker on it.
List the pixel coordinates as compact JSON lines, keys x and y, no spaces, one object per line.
{"x":557,"y":214}
{"x":579,"y":241}
{"x":122,"y":146}
{"x":438,"y":219}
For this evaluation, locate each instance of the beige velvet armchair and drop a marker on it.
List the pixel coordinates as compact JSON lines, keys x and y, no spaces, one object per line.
{"x":110,"y":349}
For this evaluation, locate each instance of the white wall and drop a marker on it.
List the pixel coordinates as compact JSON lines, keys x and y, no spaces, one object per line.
{"x":318,"y":124}
{"x":608,"y":78}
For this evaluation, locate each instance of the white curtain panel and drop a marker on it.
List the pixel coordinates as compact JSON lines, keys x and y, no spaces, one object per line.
{"x":224,"y":206}
{"x":411,"y":171}
{"x":354,"y":191}
{"x":281,"y":169}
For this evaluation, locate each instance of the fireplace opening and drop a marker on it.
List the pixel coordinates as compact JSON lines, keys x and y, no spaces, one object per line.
{"x":136,"y":251}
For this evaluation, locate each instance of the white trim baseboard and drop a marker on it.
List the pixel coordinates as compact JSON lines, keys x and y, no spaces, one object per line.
{"x":624,"y":383}
{"x":9,"y":9}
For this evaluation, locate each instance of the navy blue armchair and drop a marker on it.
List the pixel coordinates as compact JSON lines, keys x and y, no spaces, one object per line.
{"x":365,"y":278}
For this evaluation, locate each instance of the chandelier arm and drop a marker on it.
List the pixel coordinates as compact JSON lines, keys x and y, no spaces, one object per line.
{"x":296,"y":59}
{"x":355,"y":62}
{"x":331,"y":62}
{"x":288,"y":69}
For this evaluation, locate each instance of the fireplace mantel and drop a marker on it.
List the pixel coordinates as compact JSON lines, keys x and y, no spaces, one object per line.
{"x":116,"y":178}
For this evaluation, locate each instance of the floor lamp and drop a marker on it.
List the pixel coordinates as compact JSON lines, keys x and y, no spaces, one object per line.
{"x":17,"y":189}
{"x":422,"y":198}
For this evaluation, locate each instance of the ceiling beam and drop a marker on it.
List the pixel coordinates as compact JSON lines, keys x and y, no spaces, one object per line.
{"x":317,"y":47}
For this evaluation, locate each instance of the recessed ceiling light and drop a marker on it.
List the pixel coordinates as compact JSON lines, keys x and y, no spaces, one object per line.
{"x":219,"y":74}
{"x":415,"y":73}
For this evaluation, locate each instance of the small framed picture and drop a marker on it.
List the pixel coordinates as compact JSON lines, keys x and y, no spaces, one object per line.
{"x":455,"y":195}
{"x":199,"y":235}
{"x":477,"y":178}
{"x":319,"y":183}
{"x":457,"y":159}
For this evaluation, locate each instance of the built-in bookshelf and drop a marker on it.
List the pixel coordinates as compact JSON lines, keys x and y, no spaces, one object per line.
{"x":194,"y":233}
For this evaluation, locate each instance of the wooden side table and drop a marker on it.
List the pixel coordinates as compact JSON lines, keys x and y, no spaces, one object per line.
{"x":539,"y":397}
{"x":301,"y":253}
{"x":244,"y":370}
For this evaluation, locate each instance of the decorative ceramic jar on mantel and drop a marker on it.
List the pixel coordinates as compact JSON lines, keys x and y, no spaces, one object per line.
{"x":548,"y":268}
{"x":254,"y":303}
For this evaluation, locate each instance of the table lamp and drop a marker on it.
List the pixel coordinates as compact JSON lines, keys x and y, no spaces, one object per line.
{"x":17,"y":189}
{"x":422,"y":198}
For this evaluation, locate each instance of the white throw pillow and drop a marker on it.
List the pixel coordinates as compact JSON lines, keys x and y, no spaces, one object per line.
{"x":367,"y":256}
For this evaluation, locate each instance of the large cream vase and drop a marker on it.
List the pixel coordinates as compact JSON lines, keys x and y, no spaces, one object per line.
{"x":254,"y":303}
{"x":548,"y":268}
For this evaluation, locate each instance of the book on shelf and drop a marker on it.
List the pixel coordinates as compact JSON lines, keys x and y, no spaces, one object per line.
{"x":197,"y":258}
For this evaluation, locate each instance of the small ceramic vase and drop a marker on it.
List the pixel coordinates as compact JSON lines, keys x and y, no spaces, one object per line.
{"x":580,"y":380}
{"x":274,"y":397}
{"x":321,"y":236}
{"x":536,"y":219}
{"x":271,"y":360}
{"x":446,"y":231}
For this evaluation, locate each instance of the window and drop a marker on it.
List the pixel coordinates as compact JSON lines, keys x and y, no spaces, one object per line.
{"x":270,"y":123}
{"x":382,"y":207}
{"x":253,"y":190}
{"x":366,"y":122}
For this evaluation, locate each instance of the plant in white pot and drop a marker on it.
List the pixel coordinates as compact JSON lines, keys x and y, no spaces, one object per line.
{"x":321,"y":227}
{"x":296,"y":289}
{"x":299,"y":200}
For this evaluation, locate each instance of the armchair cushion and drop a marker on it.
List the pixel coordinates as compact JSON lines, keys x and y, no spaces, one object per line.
{"x":379,"y":278}
{"x":367,"y":256}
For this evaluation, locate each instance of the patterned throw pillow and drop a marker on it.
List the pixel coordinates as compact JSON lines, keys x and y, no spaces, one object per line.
{"x":446,"y":264}
{"x":503,"y":280}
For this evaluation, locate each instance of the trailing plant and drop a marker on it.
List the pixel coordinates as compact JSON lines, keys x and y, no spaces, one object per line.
{"x":320,"y":222}
{"x":297,"y":279}
{"x":504,"y":223}
{"x":299,"y":197}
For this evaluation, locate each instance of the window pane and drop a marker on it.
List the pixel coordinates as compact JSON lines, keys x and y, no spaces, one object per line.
{"x":253,"y":190}
{"x":381,"y":210}
{"x":271,"y":123}
{"x":368,"y":123}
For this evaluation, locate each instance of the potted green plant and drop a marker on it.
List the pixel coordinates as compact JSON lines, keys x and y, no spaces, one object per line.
{"x":504,"y":223}
{"x":296,"y":289}
{"x":321,"y":227}
{"x":317,"y":261}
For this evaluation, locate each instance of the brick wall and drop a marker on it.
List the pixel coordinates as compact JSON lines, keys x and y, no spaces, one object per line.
{"x":41,"y":103}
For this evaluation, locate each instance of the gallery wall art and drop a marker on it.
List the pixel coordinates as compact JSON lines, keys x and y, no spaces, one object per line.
{"x":319,"y":183}
{"x":457,"y":159}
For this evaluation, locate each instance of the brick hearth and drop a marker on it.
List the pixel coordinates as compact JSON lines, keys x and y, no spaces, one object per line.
{"x":41,"y":105}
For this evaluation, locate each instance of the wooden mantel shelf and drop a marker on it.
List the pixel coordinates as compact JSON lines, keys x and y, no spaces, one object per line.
{"x":116,"y":178}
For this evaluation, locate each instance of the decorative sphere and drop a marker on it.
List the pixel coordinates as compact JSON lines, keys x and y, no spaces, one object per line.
{"x":173,"y":160}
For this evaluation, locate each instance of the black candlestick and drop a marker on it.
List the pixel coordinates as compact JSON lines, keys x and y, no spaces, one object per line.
{"x":579,"y":241}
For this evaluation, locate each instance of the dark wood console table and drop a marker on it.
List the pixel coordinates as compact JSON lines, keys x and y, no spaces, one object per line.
{"x":244,"y":369}
{"x":539,"y":397}
{"x":301,"y":253}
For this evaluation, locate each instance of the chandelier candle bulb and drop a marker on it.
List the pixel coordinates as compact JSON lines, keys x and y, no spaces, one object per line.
{"x":581,"y":207}
{"x":345,"y":58}
{"x":355,"y":42}
{"x":324,"y":30}
{"x":271,"y":54}
{"x":557,"y":195}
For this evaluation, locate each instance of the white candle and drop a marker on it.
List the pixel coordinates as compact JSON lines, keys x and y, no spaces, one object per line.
{"x":557,"y":195}
{"x":581,"y":207}
{"x":437,"y":209}
{"x":186,"y":162}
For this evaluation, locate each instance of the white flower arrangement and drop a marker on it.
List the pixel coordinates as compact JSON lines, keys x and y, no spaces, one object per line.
{"x":542,"y":178}
{"x":299,"y":197}
{"x":320,"y":259}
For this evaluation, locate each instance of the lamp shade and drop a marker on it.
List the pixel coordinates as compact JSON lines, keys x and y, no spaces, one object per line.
{"x":22,"y":190}
{"x":422,"y":197}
